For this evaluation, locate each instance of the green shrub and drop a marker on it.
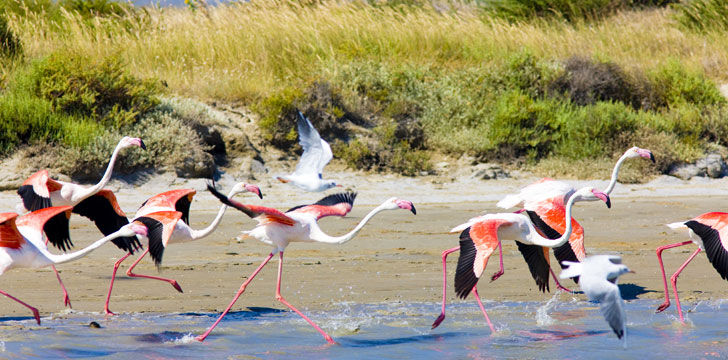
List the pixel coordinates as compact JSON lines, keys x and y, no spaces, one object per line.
{"x":104,"y":91}
{"x":569,"y":10}
{"x":677,"y":85}
{"x":703,"y":15}
{"x":10,"y":45}
{"x":92,"y":8}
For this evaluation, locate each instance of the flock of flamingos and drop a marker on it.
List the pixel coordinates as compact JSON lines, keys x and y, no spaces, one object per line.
{"x":544,"y":221}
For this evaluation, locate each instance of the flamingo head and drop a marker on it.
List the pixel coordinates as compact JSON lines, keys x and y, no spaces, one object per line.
{"x":639,"y":152}
{"x":134,"y":228}
{"x":243,"y":187}
{"x":132,"y":141}
{"x":394,"y":204}
{"x":591,"y":194}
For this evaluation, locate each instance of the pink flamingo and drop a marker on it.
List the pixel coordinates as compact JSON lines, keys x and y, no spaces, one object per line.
{"x":298,"y":224}
{"x":543,"y":201}
{"x":21,"y":242}
{"x":176,"y":201}
{"x":40,"y":191}
{"x":481,"y":235}
{"x":710,"y":233}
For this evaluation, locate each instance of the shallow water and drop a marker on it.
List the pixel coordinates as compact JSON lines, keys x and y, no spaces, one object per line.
{"x":564,"y":327}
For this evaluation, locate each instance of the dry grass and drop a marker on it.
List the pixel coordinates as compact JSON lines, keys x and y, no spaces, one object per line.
{"x":245,"y":51}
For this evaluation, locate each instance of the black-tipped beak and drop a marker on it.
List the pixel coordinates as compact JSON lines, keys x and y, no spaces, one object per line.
{"x":609,"y":202}
{"x":413,"y":210}
{"x":144,"y":147}
{"x":652,"y":157}
{"x":260,"y":194}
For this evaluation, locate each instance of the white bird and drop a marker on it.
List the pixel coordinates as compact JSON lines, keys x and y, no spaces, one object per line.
{"x":598,"y":279}
{"x":316,"y":154}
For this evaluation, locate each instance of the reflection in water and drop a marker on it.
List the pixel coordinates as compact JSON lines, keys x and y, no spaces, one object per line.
{"x":365,"y":331}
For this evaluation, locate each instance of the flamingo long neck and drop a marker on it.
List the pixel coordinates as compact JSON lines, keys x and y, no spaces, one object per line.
{"x":322,"y":237}
{"x":109,"y":170}
{"x":198,"y":234}
{"x":64,"y":258}
{"x":542,"y":241}
{"x":615,"y":174}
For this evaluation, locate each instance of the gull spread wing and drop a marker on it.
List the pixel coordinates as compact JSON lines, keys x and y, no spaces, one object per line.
{"x":316,"y":152}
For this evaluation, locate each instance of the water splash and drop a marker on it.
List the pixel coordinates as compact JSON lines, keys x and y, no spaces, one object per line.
{"x":542,"y":313}
{"x":188,"y":338}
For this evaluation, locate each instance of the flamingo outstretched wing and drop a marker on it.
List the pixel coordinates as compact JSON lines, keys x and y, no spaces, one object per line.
{"x":712,"y":228}
{"x":179,"y":200}
{"x":160,"y":226}
{"x":549,"y":216}
{"x":36,"y":191}
{"x":477,"y":243}
{"x":333,"y":205}
{"x":10,"y":237}
{"x":261,"y":213}
{"x":52,"y":220}
{"x":103,"y":209}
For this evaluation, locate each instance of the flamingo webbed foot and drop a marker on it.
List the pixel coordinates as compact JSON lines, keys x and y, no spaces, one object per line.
{"x":175,"y":284}
{"x":36,"y":315}
{"x":496,"y":276}
{"x":67,"y":301}
{"x":438,"y":321}
{"x":559,"y":287}
{"x":662,"y":307}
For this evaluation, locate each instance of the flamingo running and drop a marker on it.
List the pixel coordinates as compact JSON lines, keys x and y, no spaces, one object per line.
{"x":544,"y":202}
{"x":298,"y":224}
{"x":100,"y":206}
{"x":598,"y":276}
{"x":481,"y":235}
{"x":710,"y":233}
{"x":162,"y":214}
{"x":316,"y":154}
{"x":21,"y":243}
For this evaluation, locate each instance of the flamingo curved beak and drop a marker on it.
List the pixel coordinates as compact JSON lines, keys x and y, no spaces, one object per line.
{"x":604,"y":197}
{"x":254,"y":189}
{"x":407,"y":205}
{"x":647,"y":154}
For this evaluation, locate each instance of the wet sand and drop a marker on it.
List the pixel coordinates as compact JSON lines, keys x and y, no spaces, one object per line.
{"x":396,"y":257}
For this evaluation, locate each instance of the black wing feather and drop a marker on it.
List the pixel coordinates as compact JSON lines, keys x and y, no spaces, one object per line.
{"x":99,"y":210}
{"x":717,"y":254}
{"x":183,"y":206}
{"x":224,"y":199}
{"x":155,"y":229}
{"x":537,"y":264}
{"x":333,"y":199}
{"x":465,"y":278}
{"x":563,"y":252}
{"x":31,"y":200}
{"x":56,"y":229}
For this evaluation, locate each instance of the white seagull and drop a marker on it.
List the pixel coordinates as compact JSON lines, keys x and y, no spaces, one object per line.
{"x":598,"y":279}
{"x":316,"y":154}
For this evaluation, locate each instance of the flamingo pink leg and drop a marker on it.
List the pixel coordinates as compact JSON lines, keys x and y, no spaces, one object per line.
{"x":280,"y":298}
{"x":66,"y":299}
{"x":240,"y":292}
{"x":444,"y":285}
{"x":111,"y":286}
{"x":34,"y":310}
{"x":477,"y":297}
{"x":659,"y":250}
{"x":673,"y":279}
{"x":170,"y":281}
{"x":501,"y":271}
{"x":556,"y":280}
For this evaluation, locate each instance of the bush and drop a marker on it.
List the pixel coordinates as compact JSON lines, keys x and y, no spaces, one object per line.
{"x":93,"y":8}
{"x":103,"y":91}
{"x":569,"y":10}
{"x":677,"y":85}
{"x":586,"y":82}
{"x":10,"y":45}
{"x":703,"y":15}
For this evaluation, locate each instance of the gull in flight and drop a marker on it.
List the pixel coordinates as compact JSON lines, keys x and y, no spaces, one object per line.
{"x":316,"y":154}
{"x":598,"y":279}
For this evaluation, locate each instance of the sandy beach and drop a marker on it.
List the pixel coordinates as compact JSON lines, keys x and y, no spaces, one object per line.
{"x":395,"y":258}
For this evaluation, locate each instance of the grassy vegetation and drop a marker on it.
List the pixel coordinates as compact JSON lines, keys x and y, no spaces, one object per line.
{"x":525,"y":81}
